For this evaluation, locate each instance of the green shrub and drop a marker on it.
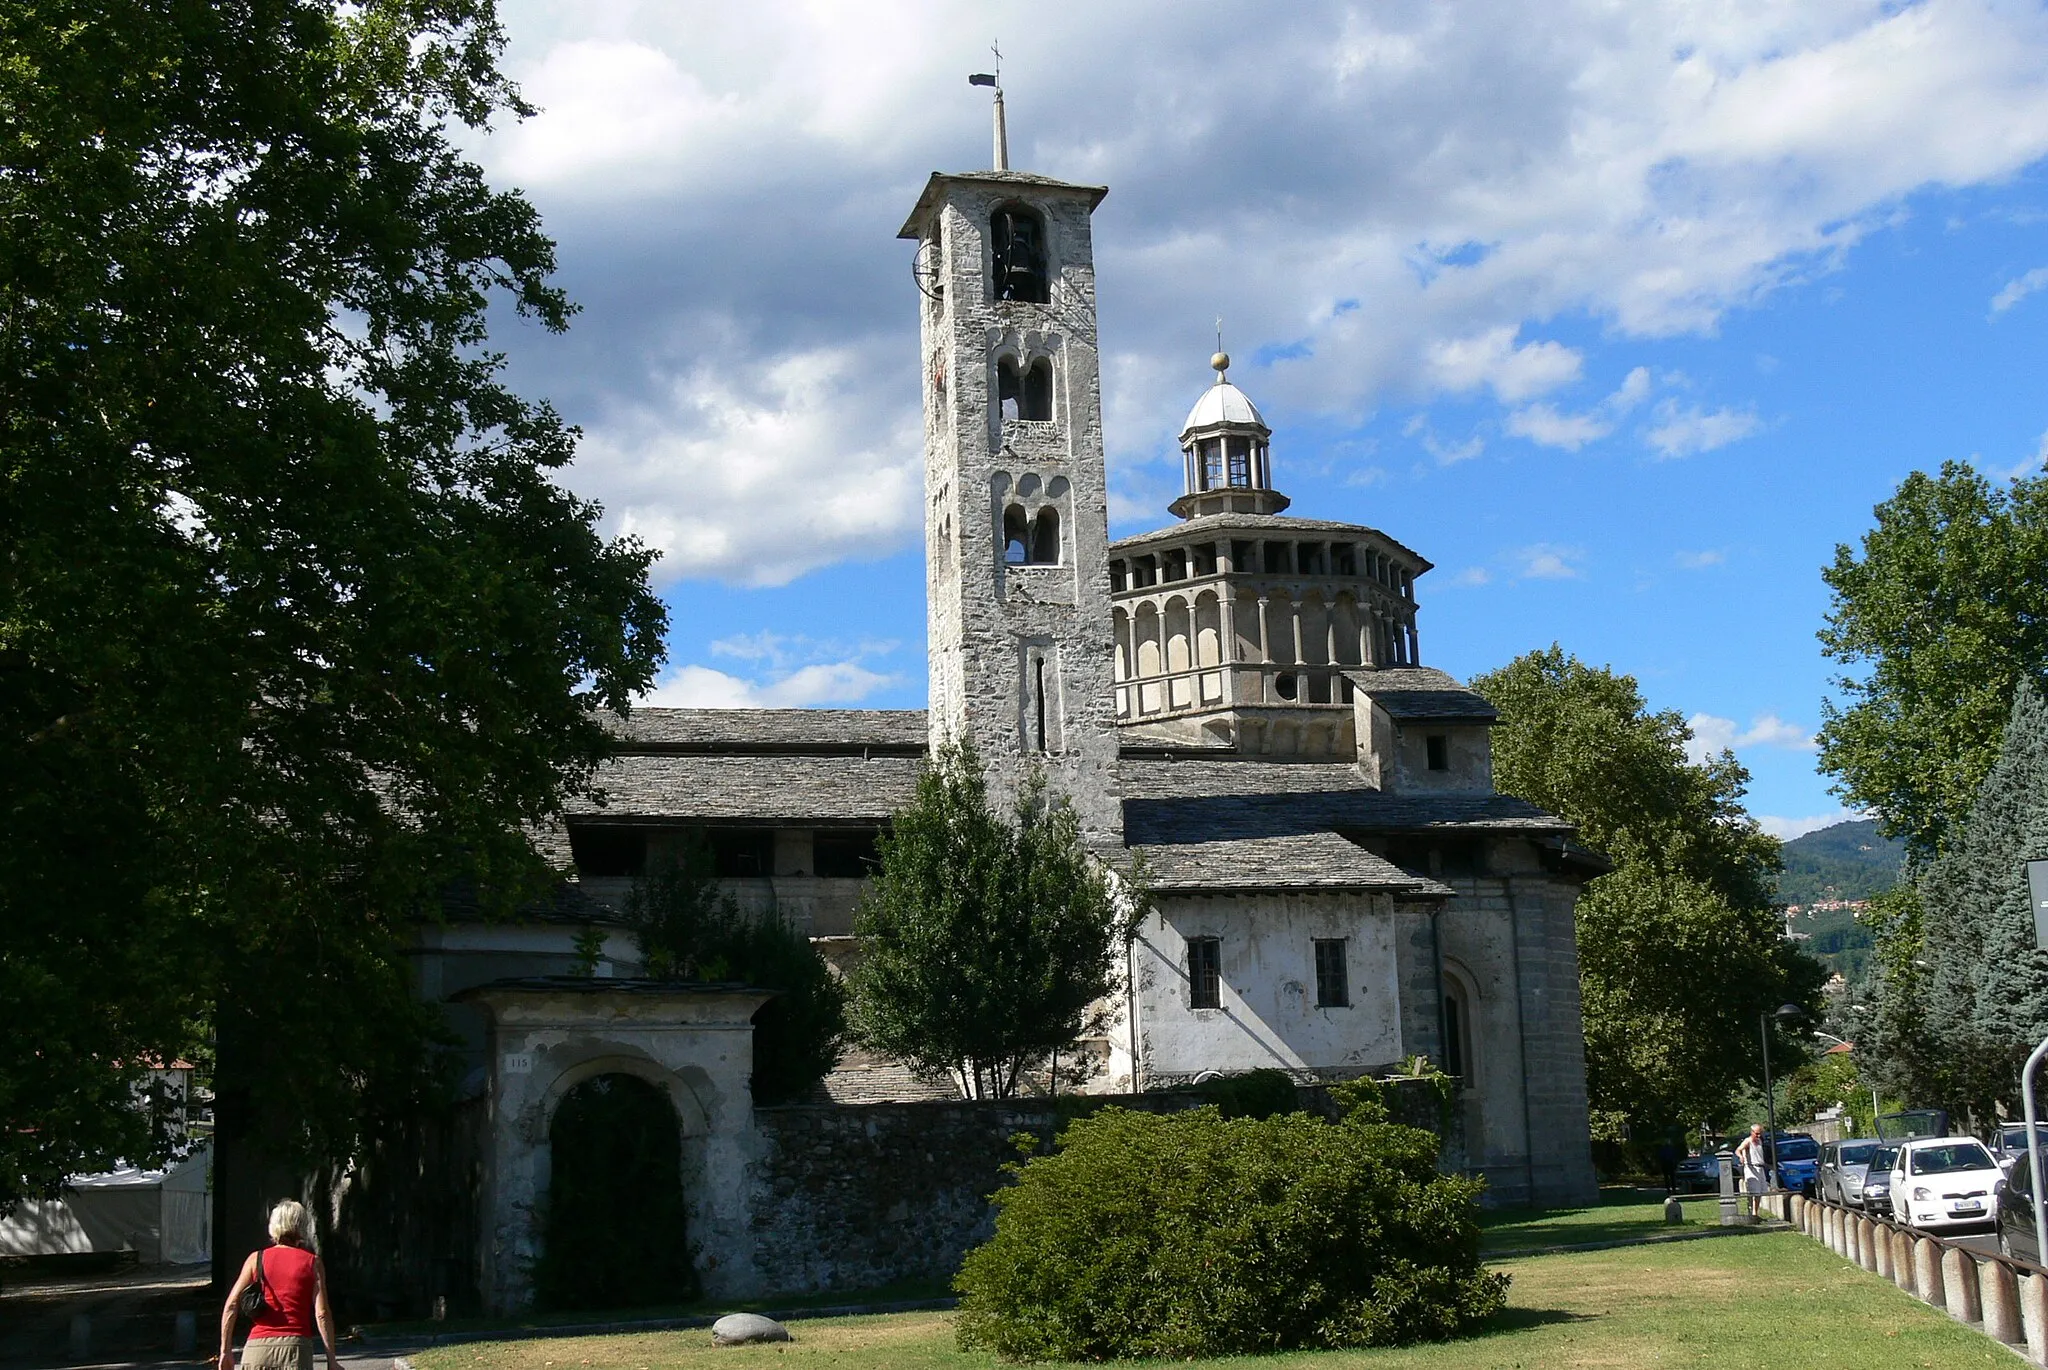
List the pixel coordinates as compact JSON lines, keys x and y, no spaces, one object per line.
{"x":1199,"y":1235}
{"x":1262,"y":1093}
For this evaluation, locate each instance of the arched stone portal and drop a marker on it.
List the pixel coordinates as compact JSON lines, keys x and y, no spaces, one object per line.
{"x":615,"y":1227}
{"x":692,"y":1043}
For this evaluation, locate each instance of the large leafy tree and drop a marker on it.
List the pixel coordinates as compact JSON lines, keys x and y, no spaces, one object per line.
{"x":985,"y":938}
{"x":1680,"y":947}
{"x":297,"y":631}
{"x":1942,"y":616}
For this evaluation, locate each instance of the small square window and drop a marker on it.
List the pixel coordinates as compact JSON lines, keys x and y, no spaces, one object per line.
{"x":1439,"y":752}
{"x":1205,"y":972}
{"x":1333,"y":982}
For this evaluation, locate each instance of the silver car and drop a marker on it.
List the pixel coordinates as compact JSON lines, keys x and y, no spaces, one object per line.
{"x":1877,"y":1178}
{"x":1843,"y":1168}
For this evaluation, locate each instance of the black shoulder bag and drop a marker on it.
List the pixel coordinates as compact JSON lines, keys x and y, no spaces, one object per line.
{"x":252,"y":1304}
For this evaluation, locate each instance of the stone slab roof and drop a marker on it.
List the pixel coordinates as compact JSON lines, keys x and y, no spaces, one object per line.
{"x":709,"y":787}
{"x":1419,"y":693}
{"x":758,"y":730}
{"x":1299,"y":862}
{"x":1263,"y":525}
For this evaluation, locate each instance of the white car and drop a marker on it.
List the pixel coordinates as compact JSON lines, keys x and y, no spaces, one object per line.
{"x":1945,"y":1182}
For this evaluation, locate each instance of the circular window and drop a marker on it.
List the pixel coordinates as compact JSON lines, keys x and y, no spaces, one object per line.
{"x":1284,"y":685}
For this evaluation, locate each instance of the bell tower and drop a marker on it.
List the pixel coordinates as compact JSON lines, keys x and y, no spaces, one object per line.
{"x":1016,"y":499}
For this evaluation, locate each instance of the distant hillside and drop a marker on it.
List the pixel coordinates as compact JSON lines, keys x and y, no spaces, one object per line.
{"x":1847,"y":861}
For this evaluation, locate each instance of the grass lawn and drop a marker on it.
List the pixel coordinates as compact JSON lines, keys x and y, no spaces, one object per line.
{"x":1622,"y":1213}
{"x":1734,"y":1303}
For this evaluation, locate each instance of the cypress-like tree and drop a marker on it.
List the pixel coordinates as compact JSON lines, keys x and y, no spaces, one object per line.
{"x":984,"y":940}
{"x":1987,"y":1000}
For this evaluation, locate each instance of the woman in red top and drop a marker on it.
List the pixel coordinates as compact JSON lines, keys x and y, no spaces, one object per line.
{"x":294,"y":1300}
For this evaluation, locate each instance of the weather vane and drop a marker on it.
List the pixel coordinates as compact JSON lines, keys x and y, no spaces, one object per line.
{"x":994,"y":80}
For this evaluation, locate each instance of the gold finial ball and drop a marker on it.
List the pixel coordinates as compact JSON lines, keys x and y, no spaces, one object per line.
{"x":1221,"y":361}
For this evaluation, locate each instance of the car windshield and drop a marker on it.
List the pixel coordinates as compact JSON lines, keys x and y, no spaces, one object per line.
{"x":1797,"y":1149}
{"x":2014,"y":1139}
{"x":1949,"y":1157}
{"x":1885,"y":1159}
{"x":1858,"y":1155}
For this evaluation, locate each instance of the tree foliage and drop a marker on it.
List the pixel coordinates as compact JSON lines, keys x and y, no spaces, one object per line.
{"x":1963,"y":993}
{"x":297,"y":631}
{"x":688,"y":928}
{"x":1680,"y":948}
{"x":1197,"y":1235}
{"x":984,"y":941}
{"x":1945,"y":613}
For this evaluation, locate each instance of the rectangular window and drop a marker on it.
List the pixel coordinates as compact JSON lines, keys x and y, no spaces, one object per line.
{"x":1333,"y":984}
{"x":843,"y":853}
{"x":1212,"y":463}
{"x":1439,"y":752}
{"x":601,"y":850}
{"x":1241,"y":463}
{"x":741,"y":852}
{"x":1205,"y":972}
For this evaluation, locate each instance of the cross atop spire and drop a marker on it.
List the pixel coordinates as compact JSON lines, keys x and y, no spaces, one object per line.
{"x":994,"y":80}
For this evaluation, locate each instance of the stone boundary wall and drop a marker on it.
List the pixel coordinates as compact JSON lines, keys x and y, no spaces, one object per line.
{"x":2006,"y":1300}
{"x":852,"y":1197}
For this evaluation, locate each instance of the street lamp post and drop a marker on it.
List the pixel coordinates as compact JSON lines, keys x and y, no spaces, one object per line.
{"x":1785,"y":1013}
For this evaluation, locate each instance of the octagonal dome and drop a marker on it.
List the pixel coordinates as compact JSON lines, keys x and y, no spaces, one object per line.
{"x":1223,"y":403}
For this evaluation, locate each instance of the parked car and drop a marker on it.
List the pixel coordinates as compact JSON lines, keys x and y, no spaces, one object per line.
{"x":2016,"y":1236}
{"x":1877,"y":1179}
{"x":1843,"y":1165}
{"x":1699,"y":1174}
{"x":2009,"y":1143}
{"x":1946,"y":1182}
{"x":1798,"y":1158}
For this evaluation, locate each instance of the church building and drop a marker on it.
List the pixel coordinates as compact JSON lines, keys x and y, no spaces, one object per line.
{"x":1239,"y":697}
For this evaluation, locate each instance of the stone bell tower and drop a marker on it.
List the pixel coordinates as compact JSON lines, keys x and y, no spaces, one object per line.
{"x":1016,"y":499}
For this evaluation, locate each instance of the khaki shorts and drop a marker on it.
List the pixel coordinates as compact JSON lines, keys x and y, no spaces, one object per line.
{"x":280,"y":1353}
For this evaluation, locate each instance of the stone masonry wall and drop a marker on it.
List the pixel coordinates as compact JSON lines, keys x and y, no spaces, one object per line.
{"x":852,"y":1198}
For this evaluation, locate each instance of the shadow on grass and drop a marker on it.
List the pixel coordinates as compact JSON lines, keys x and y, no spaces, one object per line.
{"x":1522,"y":1319}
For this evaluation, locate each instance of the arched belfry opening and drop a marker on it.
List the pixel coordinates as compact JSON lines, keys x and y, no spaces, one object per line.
{"x":1045,"y":537}
{"x":613,"y":1230}
{"x":1017,"y":255}
{"x":1016,"y":543}
{"x":1024,"y":392}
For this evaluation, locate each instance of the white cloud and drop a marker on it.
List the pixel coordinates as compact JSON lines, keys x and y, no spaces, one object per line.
{"x":1690,"y":431}
{"x":1494,"y":359}
{"x":809,"y":687}
{"x":1712,"y":735}
{"x":2019,"y":288}
{"x":1546,"y":561}
{"x":1785,"y":829}
{"x":1473,"y":575}
{"x":1544,"y":425}
{"x":1645,"y":167}
{"x":1701,"y":560}
{"x":759,"y":475}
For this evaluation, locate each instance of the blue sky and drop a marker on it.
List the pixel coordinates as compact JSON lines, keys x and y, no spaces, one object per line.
{"x":1624,"y":323}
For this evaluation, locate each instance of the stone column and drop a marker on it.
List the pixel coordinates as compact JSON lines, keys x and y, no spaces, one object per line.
{"x":1852,"y":1239}
{"x":1927,"y":1286}
{"x":1959,"y":1284}
{"x":1902,"y":1259}
{"x":1228,"y":622}
{"x":1998,"y":1294}
{"x":1881,"y":1238}
{"x":2034,"y":1315}
{"x":1867,"y":1234}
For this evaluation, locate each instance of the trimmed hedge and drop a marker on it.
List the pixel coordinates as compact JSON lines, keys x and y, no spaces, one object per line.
{"x":1194,"y":1234}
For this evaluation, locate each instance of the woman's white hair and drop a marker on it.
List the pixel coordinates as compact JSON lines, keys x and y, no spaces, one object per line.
{"x":289,"y":1222}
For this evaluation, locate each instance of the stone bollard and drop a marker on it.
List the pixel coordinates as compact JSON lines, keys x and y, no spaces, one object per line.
{"x":1881,"y":1238}
{"x":1927,"y":1272}
{"x":1902,"y":1259}
{"x":1998,"y":1294}
{"x":1827,"y":1228}
{"x":1866,"y":1242}
{"x":1959,"y":1284}
{"x":1799,"y":1207}
{"x":81,"y":1337}
{"x":184,"y":1332}
{"x":1674,"y":1211}
{"x":1853,"y":1232}
{"x":2034,"y":1314}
